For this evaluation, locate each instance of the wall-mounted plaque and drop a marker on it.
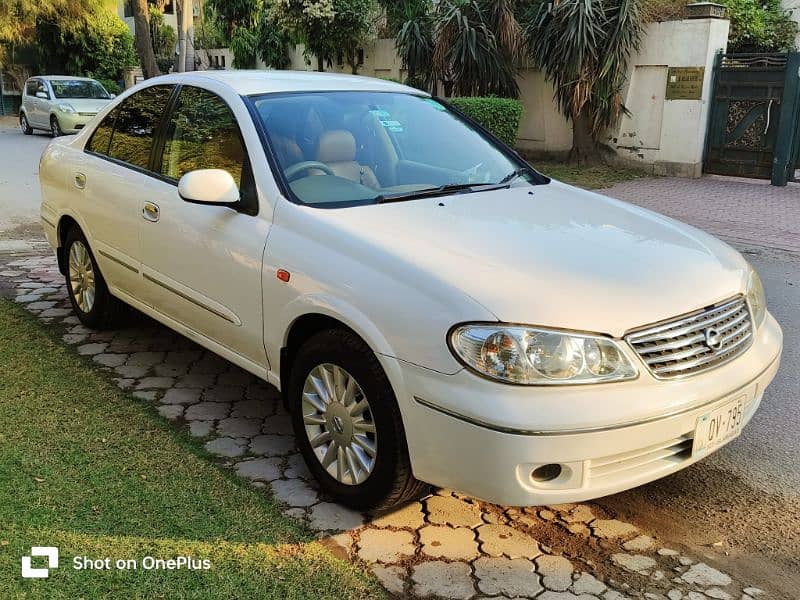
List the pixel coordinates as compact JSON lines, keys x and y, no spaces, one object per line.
{"x":685,"y":83}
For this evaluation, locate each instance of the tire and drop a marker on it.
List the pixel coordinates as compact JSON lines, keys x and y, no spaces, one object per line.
{"x":99,"y":309}
{"x":389,"y":480}
{"x":55,"y":127}
{"x":24,"y":125}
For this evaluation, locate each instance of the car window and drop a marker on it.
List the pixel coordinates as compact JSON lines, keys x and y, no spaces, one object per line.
{"x":41,"y":87}
{"x":369,"y":145}
{"x":79,"y":89}
{"x":101,"y":138}
{"x":202,"y":134}
{"x":137,"y":120}
{"x":30,"y":87}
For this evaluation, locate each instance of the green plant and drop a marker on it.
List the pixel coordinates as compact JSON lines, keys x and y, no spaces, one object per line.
{"x":244,"y":45}
{"x":112,"y":87}
{"x":163,"y":38}
{"x":476,"y":46}
{"x":414,"y":43}
{"x":583,"y":48}
{"x":760,"y":26}
{"x":101,"y":48}
{"x":327,"y":27}
{"x":210,"y":31}
{"x":501,"y":116}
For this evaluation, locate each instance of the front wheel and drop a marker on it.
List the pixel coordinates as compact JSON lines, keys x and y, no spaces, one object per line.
{"x":347,"y":423}
{"x":88,"y":293}
{"x":55,"y":127}
{"x":24,"y":125}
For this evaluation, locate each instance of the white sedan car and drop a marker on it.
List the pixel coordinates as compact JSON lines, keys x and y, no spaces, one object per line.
{"x":431,"y":307}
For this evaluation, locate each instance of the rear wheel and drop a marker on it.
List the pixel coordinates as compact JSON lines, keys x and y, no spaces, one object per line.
{"x":55,"y":127}
{"x":24,"y":125}
{"x":347,"y":423}
{"x":92,"y":302}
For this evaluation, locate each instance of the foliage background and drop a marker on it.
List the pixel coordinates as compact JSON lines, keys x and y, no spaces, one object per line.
{"x":501,"y":116}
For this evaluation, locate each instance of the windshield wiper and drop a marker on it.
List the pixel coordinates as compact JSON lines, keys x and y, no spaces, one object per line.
{"x":426,"y":193}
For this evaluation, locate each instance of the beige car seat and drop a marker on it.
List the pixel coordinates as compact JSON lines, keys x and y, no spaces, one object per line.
{"x":337,"y":149}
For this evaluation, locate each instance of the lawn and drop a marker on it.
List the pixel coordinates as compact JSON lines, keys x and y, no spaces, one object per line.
{"x":87,"y":468}
{"x":590,"y":178}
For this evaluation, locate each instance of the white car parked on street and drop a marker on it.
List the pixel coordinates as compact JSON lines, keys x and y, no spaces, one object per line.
{"x":60,"y":104}
{"x":431,"y":307}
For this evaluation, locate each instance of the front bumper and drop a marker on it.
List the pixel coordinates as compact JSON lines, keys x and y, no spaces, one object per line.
{"x":73,"y":122}
{"x":485,"y":439}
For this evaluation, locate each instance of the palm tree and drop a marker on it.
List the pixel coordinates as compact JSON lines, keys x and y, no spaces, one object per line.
{"x":583,"y":48}
{"x":472,"y":46}
{"x":469,"y":57}
{"x":414,"y":42}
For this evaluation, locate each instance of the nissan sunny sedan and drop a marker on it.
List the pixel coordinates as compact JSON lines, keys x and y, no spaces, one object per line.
{"x":431,"y":307}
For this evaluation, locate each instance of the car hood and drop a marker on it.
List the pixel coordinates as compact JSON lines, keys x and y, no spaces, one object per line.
{"x":84,"y":105}
{"x":554,"y":255}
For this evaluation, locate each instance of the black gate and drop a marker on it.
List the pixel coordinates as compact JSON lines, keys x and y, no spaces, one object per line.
{"x":754,"y":125}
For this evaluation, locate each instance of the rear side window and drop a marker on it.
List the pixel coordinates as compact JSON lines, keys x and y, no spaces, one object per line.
{"x":101,"y":138}
{"x":136,"y":123}
{"x":202,"y":134}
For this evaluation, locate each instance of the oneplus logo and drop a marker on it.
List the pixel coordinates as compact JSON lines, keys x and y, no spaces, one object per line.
{"x":51,"y":552}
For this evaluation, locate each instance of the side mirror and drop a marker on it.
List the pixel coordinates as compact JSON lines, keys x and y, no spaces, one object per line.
{"x":112,"y":96}
{"x":209,"y":186}
{"x":42,"y":95}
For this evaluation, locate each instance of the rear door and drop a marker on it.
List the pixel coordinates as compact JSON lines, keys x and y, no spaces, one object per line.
{"x":202,"y":264}
{"x":114,"y":177}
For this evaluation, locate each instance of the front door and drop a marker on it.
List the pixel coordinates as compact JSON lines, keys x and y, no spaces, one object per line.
{"x":201,"y":264}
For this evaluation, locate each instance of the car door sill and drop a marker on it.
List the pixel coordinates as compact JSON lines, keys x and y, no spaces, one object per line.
{"x":261,"y":371}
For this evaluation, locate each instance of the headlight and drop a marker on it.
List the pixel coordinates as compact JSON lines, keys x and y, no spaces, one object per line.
{"x":67,"y":108}
{"x":533,"y":356}
{"x":756,"y":298}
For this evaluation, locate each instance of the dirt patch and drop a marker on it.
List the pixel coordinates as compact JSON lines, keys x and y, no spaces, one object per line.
{"x":751,"y":534}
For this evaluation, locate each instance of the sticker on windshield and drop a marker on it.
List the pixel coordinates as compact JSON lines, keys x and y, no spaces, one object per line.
{"x":381,"y":114}
{"x":435,"y":104}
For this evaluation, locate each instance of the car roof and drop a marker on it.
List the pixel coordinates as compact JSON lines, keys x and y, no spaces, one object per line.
{"x":62,"y":78}
{"x":248,"y":83}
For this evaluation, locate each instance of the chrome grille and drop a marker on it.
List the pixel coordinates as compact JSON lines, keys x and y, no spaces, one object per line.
{"x":680,"y":347}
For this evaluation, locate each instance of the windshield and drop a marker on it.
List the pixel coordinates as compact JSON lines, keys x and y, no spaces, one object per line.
{"x":66,"y":88}
{"x":346,"y":148}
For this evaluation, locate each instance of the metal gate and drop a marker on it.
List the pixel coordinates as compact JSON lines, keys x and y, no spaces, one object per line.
{"x":754,"y":128}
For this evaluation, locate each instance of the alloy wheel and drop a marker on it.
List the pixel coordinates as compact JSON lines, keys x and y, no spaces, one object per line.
{"x":81,"y":276}
{"x":339,"y":424}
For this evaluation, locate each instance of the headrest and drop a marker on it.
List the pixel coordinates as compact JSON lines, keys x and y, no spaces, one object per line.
{"x":338,"y":145}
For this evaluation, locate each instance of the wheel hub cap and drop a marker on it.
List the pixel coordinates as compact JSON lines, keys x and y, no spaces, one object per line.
{"x":339,"y":424}
{"x":81,"y":276}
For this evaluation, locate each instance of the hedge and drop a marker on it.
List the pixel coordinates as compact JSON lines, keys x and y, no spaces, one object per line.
{"x":501,"y":116}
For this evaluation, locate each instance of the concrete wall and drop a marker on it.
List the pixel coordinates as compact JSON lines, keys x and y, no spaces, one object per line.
{"x":669,"y":134}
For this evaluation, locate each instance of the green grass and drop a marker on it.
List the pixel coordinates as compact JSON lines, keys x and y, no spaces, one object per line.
{"x":590,"y":178}
{"x":88,"y":469}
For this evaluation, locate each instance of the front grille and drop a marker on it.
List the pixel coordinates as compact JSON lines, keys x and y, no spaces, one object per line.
{"x":87,"y":114}
{"x":680,"y":347}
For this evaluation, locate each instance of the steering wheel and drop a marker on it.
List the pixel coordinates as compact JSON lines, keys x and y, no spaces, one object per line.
{"x":294,"y":170}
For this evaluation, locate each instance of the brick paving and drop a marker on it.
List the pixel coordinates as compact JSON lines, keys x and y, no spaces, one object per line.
{"x":446,"y":545}
{"x":742,"y":211}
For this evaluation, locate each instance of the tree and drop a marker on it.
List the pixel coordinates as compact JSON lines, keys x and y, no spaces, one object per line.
{"x":470,"y":57}
{"x":414,"y":41}
{"x":760,"y":26}
{"x":327,"y":27}
{"x":144,"y":44}
{"x":102,"y":48}
{"x":583,"y":48}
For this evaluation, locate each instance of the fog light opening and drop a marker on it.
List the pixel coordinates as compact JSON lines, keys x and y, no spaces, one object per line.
{"x":546,"y":473}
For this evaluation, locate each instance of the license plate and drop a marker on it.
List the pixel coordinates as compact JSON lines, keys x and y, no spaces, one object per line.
{"x":718,"y":427}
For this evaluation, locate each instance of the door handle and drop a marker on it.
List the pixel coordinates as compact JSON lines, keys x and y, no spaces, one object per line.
{"x":80,"y":181}
{"x":151,"y":212}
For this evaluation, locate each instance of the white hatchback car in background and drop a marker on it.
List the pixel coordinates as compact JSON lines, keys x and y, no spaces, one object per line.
{"x":431,"y":307}
{"x":60,"y":104}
